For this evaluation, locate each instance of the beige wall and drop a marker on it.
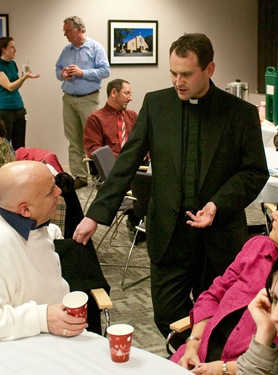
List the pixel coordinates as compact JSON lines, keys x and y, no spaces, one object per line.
{"x":36,"y":26}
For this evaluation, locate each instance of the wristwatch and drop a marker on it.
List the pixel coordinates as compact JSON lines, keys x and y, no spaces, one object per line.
{"x":224,"y":369}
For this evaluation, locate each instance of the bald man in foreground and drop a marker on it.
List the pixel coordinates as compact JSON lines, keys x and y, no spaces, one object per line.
{"x":31,"y":284}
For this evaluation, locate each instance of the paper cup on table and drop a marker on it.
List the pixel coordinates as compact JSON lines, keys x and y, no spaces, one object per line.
{"x":120,"y":337}
{"x":76,"y":304}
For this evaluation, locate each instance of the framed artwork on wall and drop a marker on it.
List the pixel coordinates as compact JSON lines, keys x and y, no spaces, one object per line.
{"x":133,"y":42}
{"x":4,"y":25}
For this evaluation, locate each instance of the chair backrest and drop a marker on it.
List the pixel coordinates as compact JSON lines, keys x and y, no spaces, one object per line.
{"x":141,"y":187}
{"x":104,"y":160}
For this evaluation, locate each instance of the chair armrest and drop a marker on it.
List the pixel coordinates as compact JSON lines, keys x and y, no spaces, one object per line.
{"x":104,"y":303}
{"x":102,"y":299}
{"x":272,"y":207}
{"x":143,"y":168}
{"x":177,"y":327}
{"x":181,"y":325}
{"x":130,"y":196}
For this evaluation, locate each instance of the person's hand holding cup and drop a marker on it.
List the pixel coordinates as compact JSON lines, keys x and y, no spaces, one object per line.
{"x":120,"y":337}
{"x":76,"y":304}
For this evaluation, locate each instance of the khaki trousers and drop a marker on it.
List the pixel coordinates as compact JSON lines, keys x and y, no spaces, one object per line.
{"x":76,"y":110}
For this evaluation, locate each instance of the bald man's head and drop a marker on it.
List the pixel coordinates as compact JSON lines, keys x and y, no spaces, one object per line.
{"x":28,"y":188}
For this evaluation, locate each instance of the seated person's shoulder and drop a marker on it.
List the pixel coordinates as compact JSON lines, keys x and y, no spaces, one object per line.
{"x":54,"y":231}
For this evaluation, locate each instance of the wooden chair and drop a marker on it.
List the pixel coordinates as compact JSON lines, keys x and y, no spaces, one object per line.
{"x":177,"y":327}
{"x":104,"y":303}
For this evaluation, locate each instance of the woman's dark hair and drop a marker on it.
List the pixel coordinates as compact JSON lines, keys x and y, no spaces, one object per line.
{"x":4,"y":41}
{"x":269,"y":279}
{"x":197,"y":43}
{"x":2,"y":129}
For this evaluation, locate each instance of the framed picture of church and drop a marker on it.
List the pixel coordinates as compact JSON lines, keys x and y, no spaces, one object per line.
{"x":132,"y":42}
{"x":4,"y":25}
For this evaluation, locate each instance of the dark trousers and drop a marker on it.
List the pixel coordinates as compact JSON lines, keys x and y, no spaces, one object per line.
{"x":177,"y":277}
{"x":192,"y":261}
{"x":15,"y":125}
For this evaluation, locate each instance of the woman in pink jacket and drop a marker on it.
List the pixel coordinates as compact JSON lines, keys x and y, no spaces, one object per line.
{"x":222,"y":326}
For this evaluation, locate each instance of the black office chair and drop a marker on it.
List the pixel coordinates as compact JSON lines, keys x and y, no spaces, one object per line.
{"x":141,"y":187}
{"x":104,"y":160}
{"x":96,"y":180}
{"x":268,"y":209}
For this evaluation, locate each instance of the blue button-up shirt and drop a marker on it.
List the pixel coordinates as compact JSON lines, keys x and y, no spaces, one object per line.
{"x":92,"y":59}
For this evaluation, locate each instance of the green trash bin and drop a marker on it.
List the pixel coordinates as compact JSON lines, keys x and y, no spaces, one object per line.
{"x":271,"y":94}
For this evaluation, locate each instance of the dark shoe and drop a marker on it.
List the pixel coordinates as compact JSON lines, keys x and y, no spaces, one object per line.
{"x":78,"y":183}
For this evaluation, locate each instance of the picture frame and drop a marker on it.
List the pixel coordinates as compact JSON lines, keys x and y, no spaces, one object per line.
{"x":4,"y":25}
{"x":132,"y":42}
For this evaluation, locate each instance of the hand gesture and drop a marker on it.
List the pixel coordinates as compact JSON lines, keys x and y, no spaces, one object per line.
{"x":31,"y":75}
{"x":61,"y":324}
{"x":204,"y":217}
{"x":84,"y":230}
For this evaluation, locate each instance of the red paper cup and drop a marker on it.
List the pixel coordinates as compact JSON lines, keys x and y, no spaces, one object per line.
{"x":120,"y":337}
{"x":76,"y":304}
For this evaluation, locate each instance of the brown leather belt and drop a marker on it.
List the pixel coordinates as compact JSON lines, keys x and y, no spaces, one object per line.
{"x":80,"y":96}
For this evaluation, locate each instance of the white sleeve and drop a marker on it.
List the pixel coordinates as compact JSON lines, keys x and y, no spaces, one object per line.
{"x":25,"y":320}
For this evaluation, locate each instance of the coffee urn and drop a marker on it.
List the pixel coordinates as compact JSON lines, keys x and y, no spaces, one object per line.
{"x":238,"y":88}
{"x":271,"y":94}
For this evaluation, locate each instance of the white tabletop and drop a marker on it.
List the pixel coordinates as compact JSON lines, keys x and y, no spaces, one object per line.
{"x":81,"y":355}
{"x":268,"y":132}
{"x":270,"y":191}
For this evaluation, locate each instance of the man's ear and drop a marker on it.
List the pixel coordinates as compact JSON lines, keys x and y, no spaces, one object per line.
{"x":23,"y":209}
{"x":114,"y":92}
{"x":210,"y":68}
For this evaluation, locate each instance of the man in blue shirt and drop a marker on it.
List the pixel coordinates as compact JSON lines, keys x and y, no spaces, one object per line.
{"x":81,"y":67}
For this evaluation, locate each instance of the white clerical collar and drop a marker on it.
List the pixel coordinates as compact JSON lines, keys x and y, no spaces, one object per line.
{"x":193,"y":101}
